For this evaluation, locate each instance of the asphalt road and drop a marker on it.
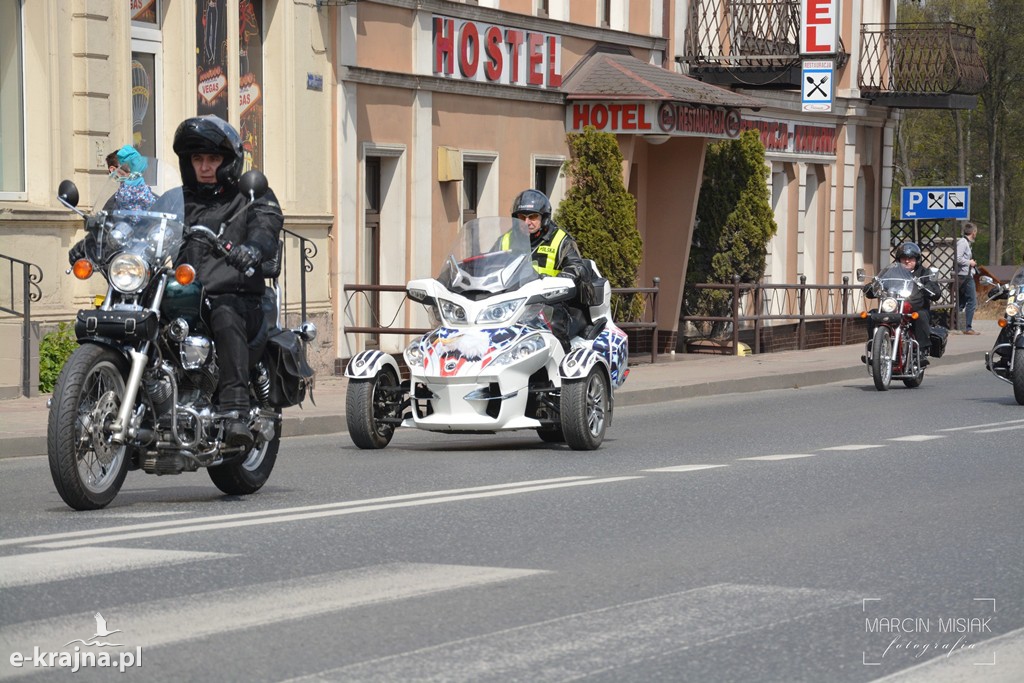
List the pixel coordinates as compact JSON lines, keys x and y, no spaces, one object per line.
{"x":832,"y":533}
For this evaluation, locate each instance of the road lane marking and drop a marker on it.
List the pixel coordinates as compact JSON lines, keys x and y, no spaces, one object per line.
{"x":982,"y":426}
{"x":854,"y":447}
{"x":299,"y":516}
{"x":277,"y":511}
{"x":684,"y":468}
{"x":192,"y":617}
{"x":600,"y":641}
{"x":57,"y":565}
{"x":782,"y":456}
{"x":918,"y":437}
{"x":998,"y":429}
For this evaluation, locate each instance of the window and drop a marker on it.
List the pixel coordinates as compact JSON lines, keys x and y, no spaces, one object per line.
{"x":470,"y":192}
{"x":146,"y":80}
{"x":12,"y":103}
{"x":548,"y":178}
{"x":372,"y":244}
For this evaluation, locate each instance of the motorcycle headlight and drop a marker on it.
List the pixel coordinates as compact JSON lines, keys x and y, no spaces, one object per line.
{"x":499,"y":313}
{"x":1012,"y":310}
{"x":521,"y":350}
{"x":414,"y":354}
{"x":452,"y":313}
{"x":888,"y":305}
{"x":128,"y":273}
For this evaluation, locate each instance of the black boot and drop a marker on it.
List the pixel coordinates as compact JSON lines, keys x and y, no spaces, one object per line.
{"x":236,"y":433}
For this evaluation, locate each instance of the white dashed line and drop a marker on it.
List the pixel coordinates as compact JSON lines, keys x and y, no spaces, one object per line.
{"x":684,"y":468}
{"x":854,"y":447}
{"x":918,"y":437}
{"x":785,"y":456}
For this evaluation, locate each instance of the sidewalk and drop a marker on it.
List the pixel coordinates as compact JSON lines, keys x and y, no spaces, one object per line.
{"x":673,"y":377}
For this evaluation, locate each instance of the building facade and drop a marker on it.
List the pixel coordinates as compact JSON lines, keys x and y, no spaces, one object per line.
{"x":384,"y":124}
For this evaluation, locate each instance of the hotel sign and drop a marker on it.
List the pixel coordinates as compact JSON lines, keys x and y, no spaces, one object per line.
{"x":474,"y":51}
{"x":654,"y":118}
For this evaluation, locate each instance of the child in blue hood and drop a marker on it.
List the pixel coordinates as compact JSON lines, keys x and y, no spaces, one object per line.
{"x":133,"y":193}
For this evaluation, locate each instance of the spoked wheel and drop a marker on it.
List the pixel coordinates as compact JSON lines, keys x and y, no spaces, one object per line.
{"x":242,"y":477}
{"x":1017,"y":375}
{"x":881,"y":358}
{"x":368,"y":403}
{"x":585,"y":406}
{"x":87,"y":466}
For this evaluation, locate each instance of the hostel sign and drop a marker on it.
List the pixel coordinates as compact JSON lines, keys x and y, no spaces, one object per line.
{"x":474,"y":51}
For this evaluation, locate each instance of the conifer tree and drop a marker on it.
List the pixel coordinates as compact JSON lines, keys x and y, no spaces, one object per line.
{"x":734,"y":223}
{"x":600,"y":213}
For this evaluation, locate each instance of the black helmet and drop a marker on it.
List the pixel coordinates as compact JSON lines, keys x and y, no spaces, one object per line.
{"x":209,"y":135}
{"x":532,"y":201}
{"x":909,"y":249}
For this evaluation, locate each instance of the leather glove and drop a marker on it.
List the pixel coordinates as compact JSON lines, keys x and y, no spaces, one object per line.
{"x":76,"y":252}
{"x":244,"y":257}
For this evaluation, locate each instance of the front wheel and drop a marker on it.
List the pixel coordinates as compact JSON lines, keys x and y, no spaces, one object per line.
{"x":87,"y":466}
{"x":881,"y":358}
{"x":584,"y":411}
{"x":246,"y":476}
{"x":1017,"y":375}
{"x":367,"y":403}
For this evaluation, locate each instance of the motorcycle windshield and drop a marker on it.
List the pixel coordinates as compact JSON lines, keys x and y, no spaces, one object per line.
{"x":489,"y":256}
{"x":1018,"y":278}
{"x":897,"y":281}
{"x":130,"y":216}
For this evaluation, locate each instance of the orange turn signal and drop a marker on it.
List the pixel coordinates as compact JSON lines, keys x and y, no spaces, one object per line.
{"x":863,"y":314}
{"x":1003,"y":322}
{"x":184,"y":274}
{"x":82,"y":269}
{"x":915,"y":315}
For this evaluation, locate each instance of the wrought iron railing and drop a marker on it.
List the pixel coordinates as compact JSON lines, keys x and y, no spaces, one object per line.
{"x":307,"y":251}
{"x":21,"y":285}
{"x":743,"y":33}
{"x":920,"y":58}
{"x":380,"y":323}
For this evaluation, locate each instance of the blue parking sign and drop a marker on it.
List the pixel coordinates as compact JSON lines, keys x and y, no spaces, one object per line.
{"x":933,"y":203}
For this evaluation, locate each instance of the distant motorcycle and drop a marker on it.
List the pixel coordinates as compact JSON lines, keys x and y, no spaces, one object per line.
{"x":1006,"y":359}
{"x":894,"y":352}
{"x":138,"y":393}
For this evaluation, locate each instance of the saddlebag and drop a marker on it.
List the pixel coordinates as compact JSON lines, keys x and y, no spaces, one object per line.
{"x":119,"y":325}
{"x":290,"y":374}
{"x":938,"y":337}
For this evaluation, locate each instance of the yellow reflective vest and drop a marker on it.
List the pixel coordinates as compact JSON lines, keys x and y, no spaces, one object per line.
{"x":549,"y":252}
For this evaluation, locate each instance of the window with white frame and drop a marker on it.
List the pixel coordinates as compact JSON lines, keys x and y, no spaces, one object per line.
{"x":549,"y":179}
{"x":146,"y":79}
{"x":12,"y":102}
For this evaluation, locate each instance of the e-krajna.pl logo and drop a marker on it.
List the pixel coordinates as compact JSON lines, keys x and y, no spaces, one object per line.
{"x":82,"y":656}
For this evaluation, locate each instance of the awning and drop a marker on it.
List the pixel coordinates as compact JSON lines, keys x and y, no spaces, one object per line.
{"x":617,"y":75}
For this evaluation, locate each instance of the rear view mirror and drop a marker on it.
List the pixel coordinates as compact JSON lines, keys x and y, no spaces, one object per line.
{"x":67,"y":193}
{"x":253,"y":184}
{"x":986,"y":280}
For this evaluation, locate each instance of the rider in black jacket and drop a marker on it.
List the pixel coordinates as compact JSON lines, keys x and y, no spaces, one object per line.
{"x":910,"y":257}
{"x":210,"y":159}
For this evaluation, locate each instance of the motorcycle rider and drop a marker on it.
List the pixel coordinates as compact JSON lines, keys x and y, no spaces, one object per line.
{"x":1001,"y":359}
{"x":555,"y":253}
{"x":210,"y":158}
{"x":910,"y":257}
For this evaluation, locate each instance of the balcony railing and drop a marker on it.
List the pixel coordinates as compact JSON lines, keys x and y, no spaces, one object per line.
{"x":911,"y":64}
{"x":754,"y":42}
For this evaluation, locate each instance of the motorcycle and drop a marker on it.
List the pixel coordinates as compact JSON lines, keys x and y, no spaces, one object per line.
{"x":139,"y":391}
{"x":491,"y":363}
{"x":893,"y":352}
{"x":1006,"y":359}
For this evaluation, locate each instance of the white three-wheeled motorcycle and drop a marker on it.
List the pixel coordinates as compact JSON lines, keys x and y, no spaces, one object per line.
{"x":491,"y":363}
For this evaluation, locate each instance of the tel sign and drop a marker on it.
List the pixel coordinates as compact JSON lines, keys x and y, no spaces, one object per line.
{"x":819,"y":27}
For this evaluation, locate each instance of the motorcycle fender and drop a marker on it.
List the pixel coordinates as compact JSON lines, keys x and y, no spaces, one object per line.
{"x":112,"y":344}
{"x":1018,"y":343}
{"x":366,"y":365}
{"x":579,"y":362}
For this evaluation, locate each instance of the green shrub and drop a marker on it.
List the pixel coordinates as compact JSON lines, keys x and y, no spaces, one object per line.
{"x":54,"y":349}
{"x":600,"y":214}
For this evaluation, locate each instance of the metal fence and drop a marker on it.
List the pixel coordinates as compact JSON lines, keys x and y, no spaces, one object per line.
{"x":21,"y":288}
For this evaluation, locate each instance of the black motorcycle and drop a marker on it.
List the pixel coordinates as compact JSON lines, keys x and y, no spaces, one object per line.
{"x":894,"y":352}
{"x":1006,"y":359}
{"x":139,"y":391}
